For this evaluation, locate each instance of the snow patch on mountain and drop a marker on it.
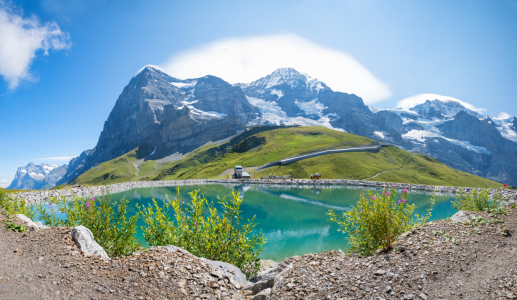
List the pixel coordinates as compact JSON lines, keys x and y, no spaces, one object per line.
{"x":184,"y":85}
{"x":272,"y":114}
{"x":280,"y":94}
{"x":379,"y":134}
{"x":311,"y":107}
{"x":504,"y":123}
{"x":36,"y":176}
{"x":422,"y":135}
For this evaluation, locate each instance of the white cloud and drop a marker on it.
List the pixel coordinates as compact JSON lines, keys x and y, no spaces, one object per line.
{"x":4,"y":183}
{"x":21,"y":39}
{"x":247,"y":59}
{"x":57,"y":158}
{"x":421,"y":98}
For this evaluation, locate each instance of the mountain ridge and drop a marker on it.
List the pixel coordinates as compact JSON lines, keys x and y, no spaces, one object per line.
{"x":163,"y":115}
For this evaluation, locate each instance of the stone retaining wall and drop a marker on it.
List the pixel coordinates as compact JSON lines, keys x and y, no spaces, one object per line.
{"x":322,"y":183}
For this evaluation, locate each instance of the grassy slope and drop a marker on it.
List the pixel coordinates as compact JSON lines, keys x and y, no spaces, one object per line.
{"x":261,"y":145}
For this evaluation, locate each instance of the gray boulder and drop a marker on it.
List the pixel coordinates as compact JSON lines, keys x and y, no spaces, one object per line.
{"x":460,"y":217}
{"x":29,"y":223}
{"x":222,"y":269}
{"x":84,"y":240}
{"x":227,"y":269}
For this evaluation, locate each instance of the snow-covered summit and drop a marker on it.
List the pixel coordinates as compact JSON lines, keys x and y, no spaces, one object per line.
{"x":505,"y":123}
{"x":445,"y":102}
{"x":284,"y":76}
{"x":503,"y":116}
{"x":40,"y":176}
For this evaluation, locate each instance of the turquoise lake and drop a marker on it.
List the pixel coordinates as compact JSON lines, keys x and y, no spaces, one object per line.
{"x":293,"y":219}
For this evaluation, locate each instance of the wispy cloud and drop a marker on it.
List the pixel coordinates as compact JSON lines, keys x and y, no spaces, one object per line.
{"x":21,"y":39}
{"x":247,"y":59}
{"x":57,"y":158}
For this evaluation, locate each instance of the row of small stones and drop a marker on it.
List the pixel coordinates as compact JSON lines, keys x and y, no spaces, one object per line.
{"x":320,"y":183}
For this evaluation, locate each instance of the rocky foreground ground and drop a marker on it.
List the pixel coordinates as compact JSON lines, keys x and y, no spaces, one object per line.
{"x":476,"y":259}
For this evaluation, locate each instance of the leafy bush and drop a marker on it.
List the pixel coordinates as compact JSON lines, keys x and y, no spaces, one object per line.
{"x":108,"y":222}
{"x":199,"y":228}
{"x":378,"y":220}
{"x":477,"y":200}
{"x":16,"y":205}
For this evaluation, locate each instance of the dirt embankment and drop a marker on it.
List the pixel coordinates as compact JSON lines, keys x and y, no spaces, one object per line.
{"x":441,"y":260}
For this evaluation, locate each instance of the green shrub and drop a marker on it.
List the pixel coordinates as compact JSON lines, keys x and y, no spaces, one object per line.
{"x":10,"y":226}
{"x":107,"y":221}
{"x":477,"y":200}
{"x":199,"y":228}
{"x":378,"y":220}
{"x":16,"y":205}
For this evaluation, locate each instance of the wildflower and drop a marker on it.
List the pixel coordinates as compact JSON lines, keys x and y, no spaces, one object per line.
{"x":93,"y":199}
{"x":388,"y":193}
{"x":88,"y":204}
{"x":403,"y":200}
{"x":405,"y":191}
{"x":394,"y":186}
{"x":399,"y":202}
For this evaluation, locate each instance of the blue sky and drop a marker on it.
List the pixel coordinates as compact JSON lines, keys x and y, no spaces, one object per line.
{"x":57,"y":87}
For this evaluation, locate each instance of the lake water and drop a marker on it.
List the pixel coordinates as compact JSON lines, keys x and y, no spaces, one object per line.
{"x":293,"y":219}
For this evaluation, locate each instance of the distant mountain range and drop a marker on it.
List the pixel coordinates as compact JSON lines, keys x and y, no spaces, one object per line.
{"x":164,"y":116}
{"x":36,"y":177}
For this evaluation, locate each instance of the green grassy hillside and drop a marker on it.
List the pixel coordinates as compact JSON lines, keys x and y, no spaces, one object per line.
{"x":262,"y":145}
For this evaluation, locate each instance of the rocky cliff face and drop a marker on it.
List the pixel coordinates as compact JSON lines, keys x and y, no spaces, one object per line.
{"x":36,"y":177}
{"x":167,"y":115}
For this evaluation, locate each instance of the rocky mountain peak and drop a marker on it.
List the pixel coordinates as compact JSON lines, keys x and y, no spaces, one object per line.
{"x":42,"y":176}
{"x":442,"y":109}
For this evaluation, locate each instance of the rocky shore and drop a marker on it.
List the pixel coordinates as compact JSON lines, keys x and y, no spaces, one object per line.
{"x":96,"y":191}
{"x":472,"y":255}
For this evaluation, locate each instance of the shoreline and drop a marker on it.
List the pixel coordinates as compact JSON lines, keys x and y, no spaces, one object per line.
{"x":95,"y":191}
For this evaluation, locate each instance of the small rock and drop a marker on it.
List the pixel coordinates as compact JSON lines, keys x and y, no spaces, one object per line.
{"x":423,"y":296}
{"x":379,"y":272}
{"x":262,"y":295}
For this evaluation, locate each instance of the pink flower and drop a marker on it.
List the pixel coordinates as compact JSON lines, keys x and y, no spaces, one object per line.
{"x":394,"y":186}
{"x":93,"y":199}
{"x":388,"y":193}
{"x":405,"y":191}
{"x":88,"y":204}
{"x":399,"y":202}
{"x":403,"y":200}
